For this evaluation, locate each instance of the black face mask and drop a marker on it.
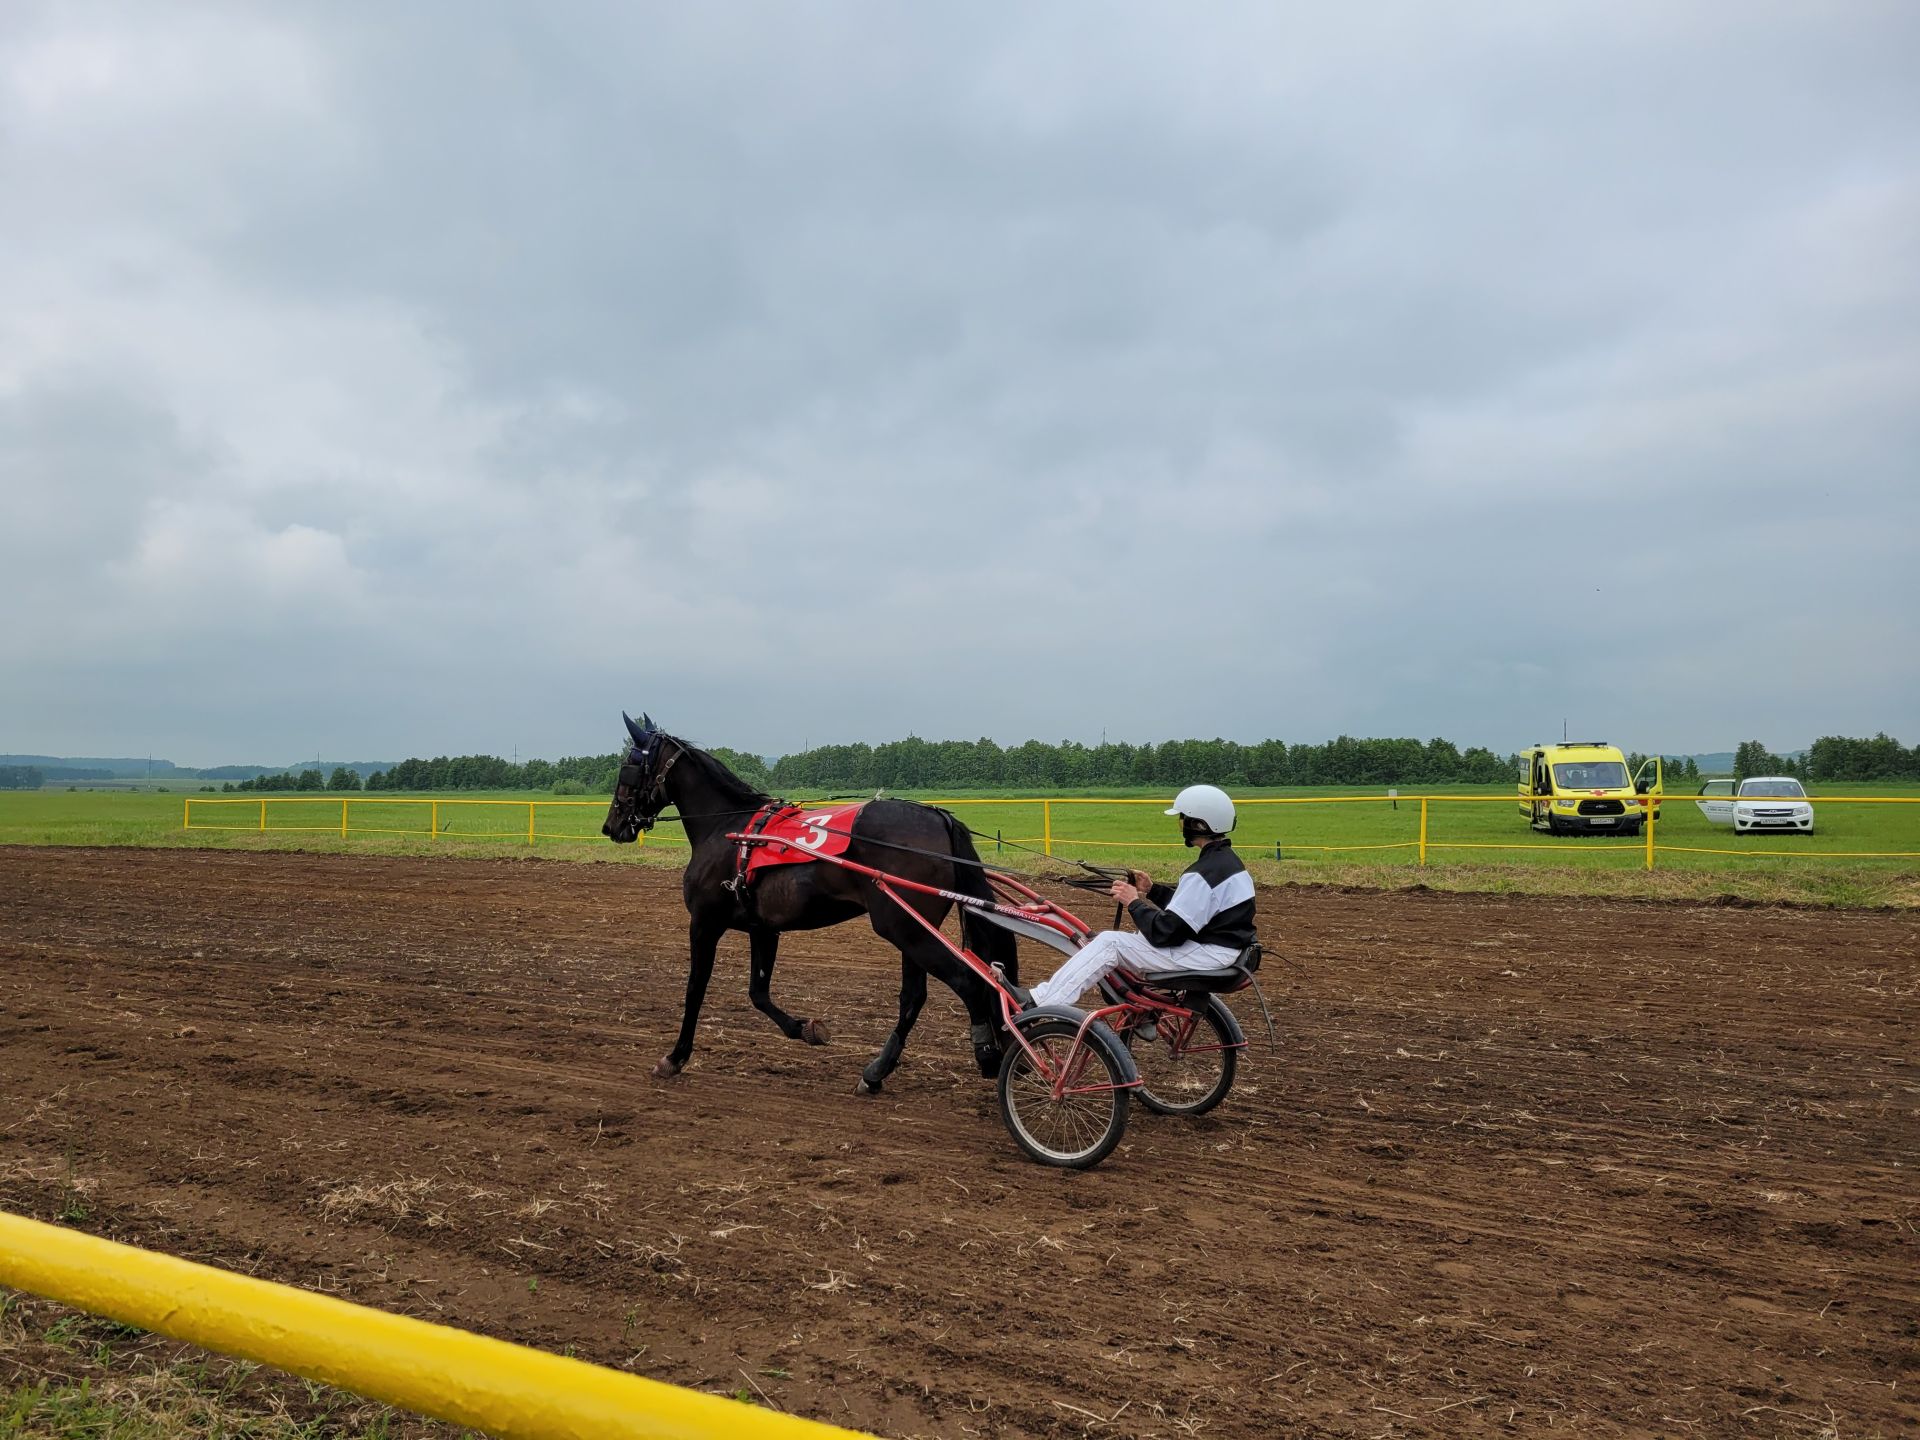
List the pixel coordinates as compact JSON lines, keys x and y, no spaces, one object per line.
{"x":633,"y":787}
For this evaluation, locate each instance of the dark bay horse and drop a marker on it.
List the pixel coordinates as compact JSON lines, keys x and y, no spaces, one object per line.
{"x":915,"y":842}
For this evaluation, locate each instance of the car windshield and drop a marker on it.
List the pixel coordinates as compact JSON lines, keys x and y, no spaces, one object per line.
{"x":1591,"y":775}
{"x":1773,"y":789}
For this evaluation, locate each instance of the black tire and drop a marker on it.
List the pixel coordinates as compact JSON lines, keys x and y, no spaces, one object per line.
{"x":1193,"y":1082}
{"x":1080,"y":1131}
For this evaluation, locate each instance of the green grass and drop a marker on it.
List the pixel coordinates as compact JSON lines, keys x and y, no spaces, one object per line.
{"x":1308,"y":824}
{"x":68,"y":1375}
{"x":1336,"y":835}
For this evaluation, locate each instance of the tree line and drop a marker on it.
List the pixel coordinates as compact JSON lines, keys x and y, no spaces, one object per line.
{"x":1672,"y":767}
{"x":341,"y":779}
{"x":573,"y":775}
{"x":916,"y":764}
{"x":1833,"y":757}
{"x":960,"y":765}
{"x":32,"y":777}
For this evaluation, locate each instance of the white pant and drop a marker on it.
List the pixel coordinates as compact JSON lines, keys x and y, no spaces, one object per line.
{"x":1111,"y":949}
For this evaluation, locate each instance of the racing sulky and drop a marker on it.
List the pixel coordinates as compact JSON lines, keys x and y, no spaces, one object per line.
{"x":764,"y":867}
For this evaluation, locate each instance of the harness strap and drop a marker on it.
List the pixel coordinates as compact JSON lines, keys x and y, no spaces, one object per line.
{"x":743,"y":850}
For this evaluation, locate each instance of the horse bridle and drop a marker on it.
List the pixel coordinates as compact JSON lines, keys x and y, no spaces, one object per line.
{"x":645,"y":773}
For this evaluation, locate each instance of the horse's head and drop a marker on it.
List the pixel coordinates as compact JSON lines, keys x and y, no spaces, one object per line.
{"x":640,"y":791}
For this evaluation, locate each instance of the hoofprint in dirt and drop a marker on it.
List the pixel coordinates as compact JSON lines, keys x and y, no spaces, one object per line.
{"x":1629,"y":1168}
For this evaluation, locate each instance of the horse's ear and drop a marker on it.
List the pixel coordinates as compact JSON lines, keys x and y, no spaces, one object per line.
{"x":646,"y":721}
{"x":639,"y":735}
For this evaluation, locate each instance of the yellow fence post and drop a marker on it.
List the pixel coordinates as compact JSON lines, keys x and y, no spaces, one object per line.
{"x":186,"y":816}
{"x":1651,"y":806}
{"x":433,"y":822}
{"x":1046,"y":827}
{"x":263,"y":817}
{"x":1423,"y":829}
{"x":343,"y":819}
{"x":529,"y":822}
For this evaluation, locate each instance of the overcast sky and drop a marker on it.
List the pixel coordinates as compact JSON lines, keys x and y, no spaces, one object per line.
{"x":380,"y":379}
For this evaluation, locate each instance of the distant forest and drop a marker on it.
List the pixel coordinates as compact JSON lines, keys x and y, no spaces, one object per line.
{"x":916,"y":764}
{"x":1834,"y":757}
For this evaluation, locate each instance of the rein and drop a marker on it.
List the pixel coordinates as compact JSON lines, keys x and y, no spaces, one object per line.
{"x":1096,"y":877}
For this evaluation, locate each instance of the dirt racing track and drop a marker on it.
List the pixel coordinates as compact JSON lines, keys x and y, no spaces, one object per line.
{"x":1518,"y":1165}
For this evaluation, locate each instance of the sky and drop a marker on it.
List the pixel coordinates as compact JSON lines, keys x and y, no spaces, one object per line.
{"x":444,"y":378}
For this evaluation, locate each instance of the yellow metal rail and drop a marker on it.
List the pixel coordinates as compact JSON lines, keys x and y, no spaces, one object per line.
{"x":489,"y":1385}
{"x":257,"y":814}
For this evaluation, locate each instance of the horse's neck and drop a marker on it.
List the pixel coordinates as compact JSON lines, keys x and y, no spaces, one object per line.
{"x":709,"y":809}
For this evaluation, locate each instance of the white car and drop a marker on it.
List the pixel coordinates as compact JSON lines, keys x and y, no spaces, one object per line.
{"x":1771,"y":802}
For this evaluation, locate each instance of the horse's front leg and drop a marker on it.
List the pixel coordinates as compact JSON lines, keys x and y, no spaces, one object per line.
{"x":913,"y":994}
{"x":703,"y":939}
{"x":766,"y":948}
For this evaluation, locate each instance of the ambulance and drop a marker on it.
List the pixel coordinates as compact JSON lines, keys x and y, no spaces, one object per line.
{"x":1582,"y":787}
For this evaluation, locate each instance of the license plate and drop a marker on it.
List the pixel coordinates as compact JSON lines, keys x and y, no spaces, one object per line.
{"x":1600,"y":819}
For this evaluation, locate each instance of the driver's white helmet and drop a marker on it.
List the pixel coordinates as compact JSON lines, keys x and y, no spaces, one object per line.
{"x":1208,"y":804}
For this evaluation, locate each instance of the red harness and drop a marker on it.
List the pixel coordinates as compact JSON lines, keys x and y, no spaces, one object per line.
{"x":783,"y":834}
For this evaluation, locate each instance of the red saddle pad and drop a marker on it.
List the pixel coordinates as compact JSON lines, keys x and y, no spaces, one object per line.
{"x":824,"y":830}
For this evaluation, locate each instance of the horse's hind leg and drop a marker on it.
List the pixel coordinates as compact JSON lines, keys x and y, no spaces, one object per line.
{"x":913,"y":994}
{"x":703,"y":939}
{"x":918,"y":948}
{"x":766,"y":947}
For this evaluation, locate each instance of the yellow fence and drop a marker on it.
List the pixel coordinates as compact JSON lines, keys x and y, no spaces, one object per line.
{"x":252,"y":815}
{"x":489,"y":1385}
{"x":1422,"y":845}
{"x":436,"y":821}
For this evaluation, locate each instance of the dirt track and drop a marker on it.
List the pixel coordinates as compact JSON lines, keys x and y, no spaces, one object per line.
{"x":1623,"y":1168}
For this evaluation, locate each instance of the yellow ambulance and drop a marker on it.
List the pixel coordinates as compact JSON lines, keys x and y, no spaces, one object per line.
{"x":1582,"y":787}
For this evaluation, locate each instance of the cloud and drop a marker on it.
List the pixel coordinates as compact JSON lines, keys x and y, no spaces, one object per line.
{"x":215,"y":569}
{"x":829,"y":374}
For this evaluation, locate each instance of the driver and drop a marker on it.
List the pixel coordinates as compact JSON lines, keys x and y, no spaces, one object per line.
{"x":1203,"y":923}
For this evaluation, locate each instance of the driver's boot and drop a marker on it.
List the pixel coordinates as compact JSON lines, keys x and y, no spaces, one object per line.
{"x":1022,"y":997}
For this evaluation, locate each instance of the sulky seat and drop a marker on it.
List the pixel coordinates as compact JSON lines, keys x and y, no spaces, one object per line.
{"x":1213,"y":982}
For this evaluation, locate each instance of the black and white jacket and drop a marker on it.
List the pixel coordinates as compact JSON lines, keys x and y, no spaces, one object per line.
{"x":1213,"y":903}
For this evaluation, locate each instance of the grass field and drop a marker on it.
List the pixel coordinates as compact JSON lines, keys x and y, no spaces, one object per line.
{"x":1861,"y":853}
{"x":96,"y":1379}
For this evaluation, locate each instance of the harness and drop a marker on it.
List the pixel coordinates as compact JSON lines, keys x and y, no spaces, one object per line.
{"x":632,"y":776}
{"x":747,"y":843}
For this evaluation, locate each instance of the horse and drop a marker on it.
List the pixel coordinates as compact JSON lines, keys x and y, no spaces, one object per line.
{"x":914,"y":842}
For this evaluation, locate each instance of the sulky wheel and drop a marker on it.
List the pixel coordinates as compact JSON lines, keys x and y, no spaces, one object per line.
{"x":1079,"y":1130}
{"x":1187,"y":1067}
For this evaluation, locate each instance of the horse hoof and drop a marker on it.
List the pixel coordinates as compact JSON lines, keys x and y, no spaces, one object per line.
{"x":666,"y":1069}
{"x":815,"y":1032}
{"x":861,"y":1087}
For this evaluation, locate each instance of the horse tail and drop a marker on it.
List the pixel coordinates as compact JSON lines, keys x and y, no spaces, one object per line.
{"x":992,"y":943}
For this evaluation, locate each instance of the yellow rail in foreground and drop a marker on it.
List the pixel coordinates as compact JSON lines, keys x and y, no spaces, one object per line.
{"x":504,"y":1390}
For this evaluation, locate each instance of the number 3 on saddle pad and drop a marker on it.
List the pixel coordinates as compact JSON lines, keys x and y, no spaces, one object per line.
{"x":806,"y":833}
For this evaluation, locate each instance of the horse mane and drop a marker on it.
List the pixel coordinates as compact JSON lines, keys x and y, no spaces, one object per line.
{"x":730,"y":785}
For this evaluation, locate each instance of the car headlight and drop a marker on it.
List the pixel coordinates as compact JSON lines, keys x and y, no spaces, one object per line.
{"x":1565,"y":804}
